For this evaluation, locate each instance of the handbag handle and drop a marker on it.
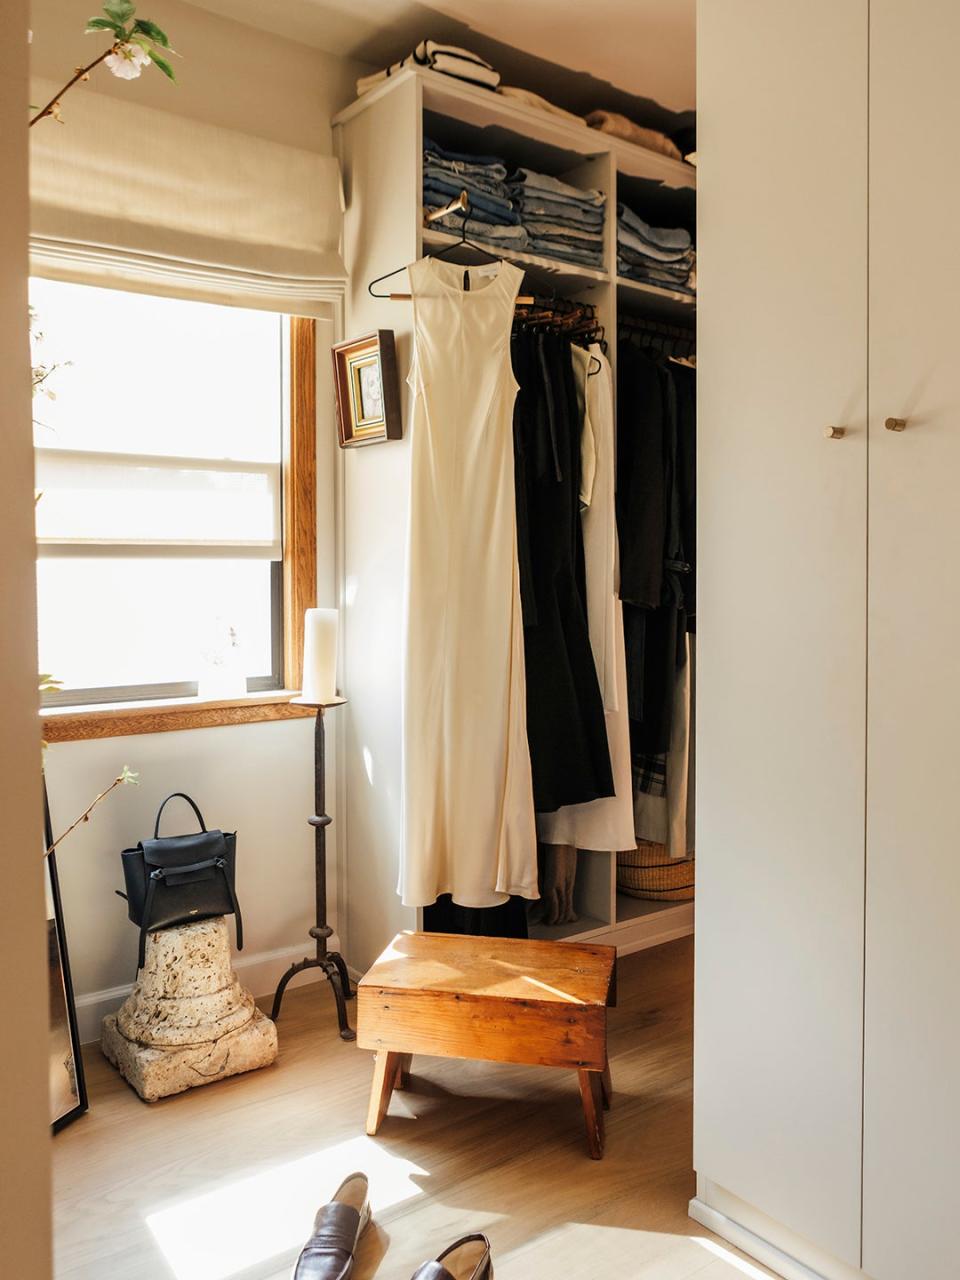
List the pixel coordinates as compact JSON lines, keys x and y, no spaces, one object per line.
{"x":174,"y":796}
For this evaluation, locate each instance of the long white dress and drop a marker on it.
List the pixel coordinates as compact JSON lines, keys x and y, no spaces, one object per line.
{"x":468,"y":822}
{"x":606,"y":823}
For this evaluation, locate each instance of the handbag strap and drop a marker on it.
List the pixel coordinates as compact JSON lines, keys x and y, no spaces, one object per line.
{"x":160,"y":874}
{"x":177,"y":795}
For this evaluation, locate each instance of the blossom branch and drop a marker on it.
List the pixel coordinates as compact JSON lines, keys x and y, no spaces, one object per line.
{"x":81,"y":74}
{"x":125,"y":776}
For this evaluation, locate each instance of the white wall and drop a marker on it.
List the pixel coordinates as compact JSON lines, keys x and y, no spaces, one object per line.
{"x":255,"y":778}
{"x":24,"y":1103}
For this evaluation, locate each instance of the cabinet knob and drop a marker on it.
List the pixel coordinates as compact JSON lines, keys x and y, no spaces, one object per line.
{"x":835,"y":433}
{"x":895,"y":424}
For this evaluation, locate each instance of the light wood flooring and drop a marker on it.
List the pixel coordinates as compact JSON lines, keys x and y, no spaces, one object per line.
{"x":221,"y":1183}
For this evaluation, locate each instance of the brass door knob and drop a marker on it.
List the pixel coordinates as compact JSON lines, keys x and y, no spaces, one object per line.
{"x":835,"y":433}
{"x":895,"y":424}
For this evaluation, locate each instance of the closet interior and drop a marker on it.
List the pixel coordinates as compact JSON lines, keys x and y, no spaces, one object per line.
{"x":633,"y":296}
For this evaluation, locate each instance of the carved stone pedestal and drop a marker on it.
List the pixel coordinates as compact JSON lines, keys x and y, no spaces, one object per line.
{"x":187,"y":1021}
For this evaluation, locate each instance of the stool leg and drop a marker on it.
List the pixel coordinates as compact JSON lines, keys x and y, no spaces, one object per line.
{"x":590,"y":1095}
{"x":384,"y":1078}
{"x":606,"y":1087}
{"x":403,"y":1070}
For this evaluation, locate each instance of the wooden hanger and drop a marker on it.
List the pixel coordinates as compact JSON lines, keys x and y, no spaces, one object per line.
{"x":461,"y":204}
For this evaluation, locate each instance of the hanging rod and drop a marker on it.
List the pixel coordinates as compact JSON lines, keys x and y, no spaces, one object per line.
{"x":460,"y":204}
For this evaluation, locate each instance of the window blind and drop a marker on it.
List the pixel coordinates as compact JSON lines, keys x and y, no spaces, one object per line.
{"x":140,"y":198}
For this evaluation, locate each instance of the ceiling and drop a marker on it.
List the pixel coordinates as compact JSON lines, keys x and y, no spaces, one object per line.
{"x":615,"y":49}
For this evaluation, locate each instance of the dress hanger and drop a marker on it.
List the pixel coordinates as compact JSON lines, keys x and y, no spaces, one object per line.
{"x":460,"y":204}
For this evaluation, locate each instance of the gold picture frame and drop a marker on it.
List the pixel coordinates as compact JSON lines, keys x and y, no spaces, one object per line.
{"x":367,"y":389}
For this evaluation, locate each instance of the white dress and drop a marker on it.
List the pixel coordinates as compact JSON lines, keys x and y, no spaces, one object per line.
{"x":468,"y":822}
{"x":606,"y":823}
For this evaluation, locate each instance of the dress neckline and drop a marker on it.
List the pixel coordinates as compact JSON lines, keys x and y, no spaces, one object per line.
{"x":453,"y":281}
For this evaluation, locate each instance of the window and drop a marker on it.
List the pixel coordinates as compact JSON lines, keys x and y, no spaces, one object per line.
{"x":160,"y":519}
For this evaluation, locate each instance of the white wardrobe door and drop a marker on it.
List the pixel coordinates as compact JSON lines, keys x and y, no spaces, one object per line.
{"x":912,"y":1027}
{"x":782,"y":143}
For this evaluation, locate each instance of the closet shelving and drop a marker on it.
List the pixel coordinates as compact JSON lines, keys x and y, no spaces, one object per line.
{"x":379,"y":139}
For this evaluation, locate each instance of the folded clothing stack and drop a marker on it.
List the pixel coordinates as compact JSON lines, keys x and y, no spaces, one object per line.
{"x":663,"y":256}
{"x":446,"y":58}
{"x":492,"y":216}
{"x":561,"y":221}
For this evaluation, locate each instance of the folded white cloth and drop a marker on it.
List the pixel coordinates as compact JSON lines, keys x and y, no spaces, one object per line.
{"x":449,"y":59}
{"x":531,"y":99}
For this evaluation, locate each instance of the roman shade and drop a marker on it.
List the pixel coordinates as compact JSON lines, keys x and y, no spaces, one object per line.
{"x":145,"y":199}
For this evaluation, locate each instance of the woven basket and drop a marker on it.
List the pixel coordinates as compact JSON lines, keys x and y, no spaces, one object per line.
{"x":648,"y":872}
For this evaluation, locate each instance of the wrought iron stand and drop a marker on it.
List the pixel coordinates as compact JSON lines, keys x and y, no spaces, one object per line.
{"x":331,"y":962}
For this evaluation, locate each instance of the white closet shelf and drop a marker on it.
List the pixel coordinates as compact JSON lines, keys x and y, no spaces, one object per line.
{"x":483,"y":108}
{"x":548,"y":271}
{"x":639,"y":924}
{"x":655,"y":301}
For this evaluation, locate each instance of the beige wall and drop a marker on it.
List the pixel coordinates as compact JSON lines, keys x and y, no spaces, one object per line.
{"x":24,"y":1112}
{"x":229,"y":74}
{"x":255,"y":778}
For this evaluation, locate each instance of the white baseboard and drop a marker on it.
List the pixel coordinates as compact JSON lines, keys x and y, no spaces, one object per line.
{"x":791,"y":1257}
{"x":259,"y":973}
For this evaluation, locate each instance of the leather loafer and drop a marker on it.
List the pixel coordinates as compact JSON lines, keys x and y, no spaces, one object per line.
{"x":466,"y":1259}
{"x":328,"y":1254}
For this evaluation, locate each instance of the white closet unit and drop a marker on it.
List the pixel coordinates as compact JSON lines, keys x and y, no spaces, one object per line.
{"x":912,"y":1017}
{"x":827,"y":1034}
{"x":379,"y":140}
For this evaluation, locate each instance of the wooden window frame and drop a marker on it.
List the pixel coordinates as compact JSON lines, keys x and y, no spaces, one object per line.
{"x":299,"y":498}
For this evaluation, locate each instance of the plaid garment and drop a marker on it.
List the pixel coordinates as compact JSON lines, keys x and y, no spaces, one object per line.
{"x":650,"y":774}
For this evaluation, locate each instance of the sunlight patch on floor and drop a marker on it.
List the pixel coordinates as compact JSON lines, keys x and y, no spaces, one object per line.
{"x":584,"y":1251}
{"x":255,"y":1220}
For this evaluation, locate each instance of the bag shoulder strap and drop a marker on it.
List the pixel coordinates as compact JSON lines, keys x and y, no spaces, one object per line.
{"x":177,"y":795}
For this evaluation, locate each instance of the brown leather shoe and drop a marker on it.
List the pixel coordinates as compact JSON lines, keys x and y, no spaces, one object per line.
{"x":328,"y":1254}
{"x":466,"y":1259}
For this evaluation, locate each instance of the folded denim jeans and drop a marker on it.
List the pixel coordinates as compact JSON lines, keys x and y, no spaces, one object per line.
{"x":484,"y":232}
{"x":566,"y":253}
{"x":629,"y":242}
{"x":527,"y":180}
{"x":554,"y":230}
{"x":450,"y":173}
{"x":665,"y":237}
{"x":486,"y":161}
{"x":447,"y":191}
{"x":433,"y":201}
{"x":561,"y":214}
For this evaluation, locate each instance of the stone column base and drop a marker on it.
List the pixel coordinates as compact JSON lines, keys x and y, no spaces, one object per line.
{"x":158,"y":1073}
{"x":187,"y":1020}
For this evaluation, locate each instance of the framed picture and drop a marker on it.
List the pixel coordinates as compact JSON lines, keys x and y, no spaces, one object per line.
{"x":68,"y":1090}
{"x":368,"y":389}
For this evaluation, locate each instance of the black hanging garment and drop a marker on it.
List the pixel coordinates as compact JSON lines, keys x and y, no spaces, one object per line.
{"x":566,"y":729}
{"x":656,"y":508}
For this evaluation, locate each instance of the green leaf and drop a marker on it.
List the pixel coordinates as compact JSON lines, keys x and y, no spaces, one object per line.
{"x":120,"y":10}
{"x":103,"y":24}
{"x":162,"y":63}
{"x":152,"y":32}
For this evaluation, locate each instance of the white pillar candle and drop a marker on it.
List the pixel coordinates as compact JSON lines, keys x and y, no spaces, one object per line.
{"x":319,"y":655}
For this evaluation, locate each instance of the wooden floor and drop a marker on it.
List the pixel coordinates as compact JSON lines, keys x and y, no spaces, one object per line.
{"x":221,"y":1183}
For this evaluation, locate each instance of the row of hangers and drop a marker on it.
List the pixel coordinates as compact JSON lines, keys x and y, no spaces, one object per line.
{"x":679,"y":345}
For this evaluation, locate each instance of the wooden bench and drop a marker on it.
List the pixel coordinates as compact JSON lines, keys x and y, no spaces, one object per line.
{"x":498,"y":999}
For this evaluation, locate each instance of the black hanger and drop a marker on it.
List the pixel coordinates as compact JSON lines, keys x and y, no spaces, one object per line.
{"x":462,"y":202}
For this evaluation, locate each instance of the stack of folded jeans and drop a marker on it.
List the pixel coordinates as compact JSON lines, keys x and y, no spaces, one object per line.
{"x":561,"y":221}
{"x":492,"y":216}
{"x":662,"y":256}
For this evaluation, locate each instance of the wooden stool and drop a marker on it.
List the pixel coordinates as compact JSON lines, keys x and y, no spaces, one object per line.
{"x":499,"y":999}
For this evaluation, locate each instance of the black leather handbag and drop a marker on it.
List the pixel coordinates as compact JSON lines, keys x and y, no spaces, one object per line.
{"x":180,"y":879}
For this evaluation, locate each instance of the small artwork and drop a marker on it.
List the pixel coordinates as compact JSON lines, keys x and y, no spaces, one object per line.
{"x":368,"y":389}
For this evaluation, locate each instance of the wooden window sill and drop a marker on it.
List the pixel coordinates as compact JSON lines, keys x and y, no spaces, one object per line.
{"x":115,"y":720}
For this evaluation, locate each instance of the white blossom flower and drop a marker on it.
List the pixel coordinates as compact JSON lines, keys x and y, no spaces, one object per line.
{"x":127,"y":61}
